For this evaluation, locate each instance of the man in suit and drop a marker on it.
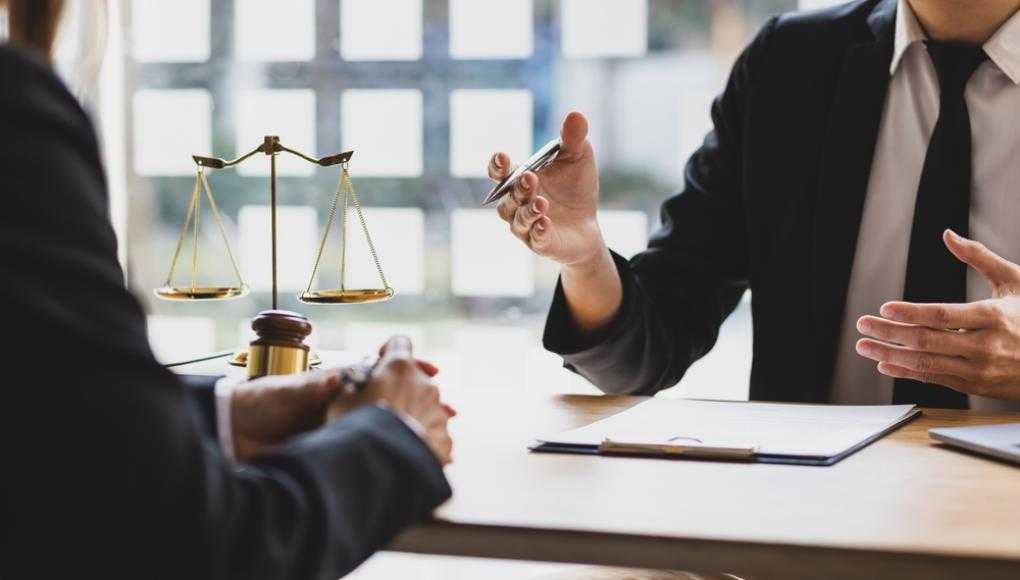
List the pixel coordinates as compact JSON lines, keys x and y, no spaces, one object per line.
{"x":854,"y":152}
{"x":114,"y":468}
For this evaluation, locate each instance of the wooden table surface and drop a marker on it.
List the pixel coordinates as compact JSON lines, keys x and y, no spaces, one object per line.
{"x":904,"y":507}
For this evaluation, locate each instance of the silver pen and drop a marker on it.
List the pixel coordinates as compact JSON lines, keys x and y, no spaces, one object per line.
{"x":542,"y":158}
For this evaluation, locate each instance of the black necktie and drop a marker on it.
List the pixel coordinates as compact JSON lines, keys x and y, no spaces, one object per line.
{"x":943,"y":201}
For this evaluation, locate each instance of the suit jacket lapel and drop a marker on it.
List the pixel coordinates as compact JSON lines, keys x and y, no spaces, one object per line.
{"x":846,"y":167}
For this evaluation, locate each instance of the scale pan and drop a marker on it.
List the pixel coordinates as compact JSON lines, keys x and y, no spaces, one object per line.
{"x":362,"y":296}
{"x":200,"y":292}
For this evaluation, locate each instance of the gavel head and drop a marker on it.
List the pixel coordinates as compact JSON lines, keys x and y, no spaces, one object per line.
{"x":280,"y":348}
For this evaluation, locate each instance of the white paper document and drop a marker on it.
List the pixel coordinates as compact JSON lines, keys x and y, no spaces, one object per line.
{"x":772,"y":428}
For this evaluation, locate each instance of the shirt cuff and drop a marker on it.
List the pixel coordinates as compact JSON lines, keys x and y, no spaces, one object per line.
{"x":224,"y":391}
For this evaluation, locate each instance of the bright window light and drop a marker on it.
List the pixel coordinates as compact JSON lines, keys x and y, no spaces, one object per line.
{"x":813,"y":4}
{"x":288,"y":114}
{"x":384,"y":127}
{"x":546,"y":375}
{"x":271,"y":30}
{"x":486,"y":29}
{"x":605,"y":28}
{"x":180,"y":338}
{"x":695,"y":121}
{"x":170,"y":31}
{"x":295,"y":249}
{"x":475,"y":344}
{"x":487,"y":260}
{"x":381,"y":29}
{"x":483,"y":122}
{"x":367,"y":337}
{"x":170,"y":126}
{"x":625,"y":231}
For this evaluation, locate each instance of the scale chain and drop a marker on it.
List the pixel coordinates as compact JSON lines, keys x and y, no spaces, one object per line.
{"x":219,"y":224}
{"x":364,"y":226}
{"x":325,"y":234}
{"x":345,"y":180}
{"x":184,"y":231}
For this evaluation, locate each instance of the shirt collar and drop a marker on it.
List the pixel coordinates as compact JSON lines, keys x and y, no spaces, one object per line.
{"x":908,"y":31}
{"x":1003,"y":48}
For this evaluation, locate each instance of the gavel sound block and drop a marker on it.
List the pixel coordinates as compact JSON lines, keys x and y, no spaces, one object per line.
{"x":280,"y":348}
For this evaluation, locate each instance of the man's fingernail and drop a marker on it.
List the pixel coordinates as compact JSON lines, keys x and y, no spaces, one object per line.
{"x":534,"y":206}
{"x":495,"y":161}
{"x":540,"y":227}
{"x":865,"y":348}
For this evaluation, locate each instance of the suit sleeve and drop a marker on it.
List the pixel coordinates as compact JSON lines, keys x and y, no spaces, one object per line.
{"x":678,"y":292}
{"x":108,"y":466}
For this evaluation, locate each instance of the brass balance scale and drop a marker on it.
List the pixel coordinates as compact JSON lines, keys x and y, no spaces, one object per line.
{"x":279,"y":348}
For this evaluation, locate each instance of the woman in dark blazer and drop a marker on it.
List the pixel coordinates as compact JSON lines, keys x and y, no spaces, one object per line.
{"x":111,"y":467}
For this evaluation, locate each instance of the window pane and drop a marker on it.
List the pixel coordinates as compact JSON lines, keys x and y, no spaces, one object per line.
{"x":398,"y":234}
{"x":180,"y":338}
{"x":170,"y":31}
{"x":289,"y":114}
{"x":170,"y":127}
{"x":475,"y":31}
{"x":625,"y":231}
{"x":295,"y":247}
{"x":486,"y":259}
{"x":813,"y":4}
{"x":271,"y":30}
{"x":601,"y":28}
{"x":381,"y":29}
{"x":483,"y":122}
{"x":385,"y":130}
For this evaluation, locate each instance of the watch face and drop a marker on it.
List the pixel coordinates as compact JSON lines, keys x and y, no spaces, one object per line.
{"x":542,"y":158}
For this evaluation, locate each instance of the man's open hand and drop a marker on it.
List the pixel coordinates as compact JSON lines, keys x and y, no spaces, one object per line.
{"x":973,"y":348}
{"x":554,"y":211}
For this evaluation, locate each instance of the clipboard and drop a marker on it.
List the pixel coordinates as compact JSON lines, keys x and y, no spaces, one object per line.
{"x":697,"y":449}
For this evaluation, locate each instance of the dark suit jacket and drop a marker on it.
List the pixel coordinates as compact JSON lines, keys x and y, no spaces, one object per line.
{"x":109,"y":466}
{"x":772,"y":202}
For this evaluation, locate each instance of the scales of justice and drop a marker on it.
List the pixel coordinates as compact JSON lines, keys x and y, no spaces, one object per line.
{"x":279,"y":348}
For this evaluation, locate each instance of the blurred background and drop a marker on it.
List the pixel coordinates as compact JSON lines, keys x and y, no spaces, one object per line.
{"x":424,"y":91}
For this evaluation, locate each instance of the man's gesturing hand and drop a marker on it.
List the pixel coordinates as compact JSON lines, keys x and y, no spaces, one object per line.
{"x":973,"y":348}
{"x":405,"y":385}
{"x":554,"y":211}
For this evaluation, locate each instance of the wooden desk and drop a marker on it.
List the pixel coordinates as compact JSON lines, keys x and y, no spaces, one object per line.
{"x":904,"y":507}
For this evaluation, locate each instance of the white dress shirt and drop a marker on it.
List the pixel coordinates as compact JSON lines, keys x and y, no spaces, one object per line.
{"x":911,"y":110}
